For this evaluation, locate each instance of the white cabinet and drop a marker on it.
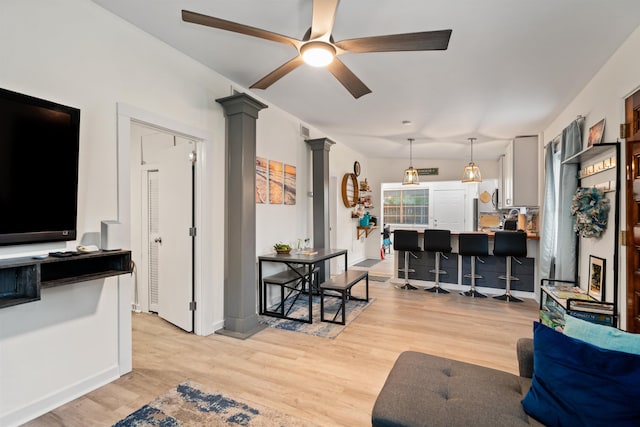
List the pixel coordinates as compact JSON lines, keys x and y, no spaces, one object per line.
{"x":518,"y":170}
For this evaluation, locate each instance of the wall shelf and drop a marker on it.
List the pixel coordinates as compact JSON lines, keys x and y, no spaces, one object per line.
{"x":585,"y":160}
{"x":365,"y":230}
{"x":21,"y":279}
{"x":590,"y":153}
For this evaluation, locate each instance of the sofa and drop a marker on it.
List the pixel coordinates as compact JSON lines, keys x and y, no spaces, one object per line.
{"x":587,"y":375}
{"x":426,"y":390}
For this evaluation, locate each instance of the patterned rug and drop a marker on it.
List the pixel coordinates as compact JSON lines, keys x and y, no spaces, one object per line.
{"x":376,"y":278}
{"x":190,"y":404}
{"x":317,"y":328}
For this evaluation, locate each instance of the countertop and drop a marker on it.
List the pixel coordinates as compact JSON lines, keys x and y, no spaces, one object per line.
{"x":531,"y":236}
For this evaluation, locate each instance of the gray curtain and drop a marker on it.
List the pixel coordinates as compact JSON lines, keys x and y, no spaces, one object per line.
{"x":566,"y":261}
{"x":549,"y":217}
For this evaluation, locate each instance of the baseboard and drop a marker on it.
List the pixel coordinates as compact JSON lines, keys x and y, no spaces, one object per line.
{"x":59,"y":398}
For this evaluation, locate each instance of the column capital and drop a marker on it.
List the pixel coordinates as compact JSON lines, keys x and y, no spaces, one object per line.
{"x":319,"y":144}
{"x":241,"y":103}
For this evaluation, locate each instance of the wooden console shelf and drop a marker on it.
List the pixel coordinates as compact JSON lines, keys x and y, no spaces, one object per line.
{"x":22,"y":278}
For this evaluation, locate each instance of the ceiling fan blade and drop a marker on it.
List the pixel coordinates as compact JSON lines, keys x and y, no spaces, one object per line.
{"x":323,"y":17}
{"x":210,"y":21}
{"x":426,"y":40}
{"x":349,"y":80}
{"x":278,"y":73}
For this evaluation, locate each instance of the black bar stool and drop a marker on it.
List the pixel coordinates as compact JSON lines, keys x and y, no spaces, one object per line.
{"x":438,"y":242}
{"x":474,"y":245}
{"x":510,"y":244}
{"x":407,"y":241}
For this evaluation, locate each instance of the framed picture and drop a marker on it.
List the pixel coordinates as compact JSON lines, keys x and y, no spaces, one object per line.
{"x":595,"y":133}
{"x":289,"y":184}
{"x":276,"y":182}
{"x":596,"y":277}
{"x":261,"y":180}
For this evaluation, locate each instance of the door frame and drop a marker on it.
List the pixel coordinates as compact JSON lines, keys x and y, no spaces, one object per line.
{"x":126,"y":114}
{"x":628,"y":291}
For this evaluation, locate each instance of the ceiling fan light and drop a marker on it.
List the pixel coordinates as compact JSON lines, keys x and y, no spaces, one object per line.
{"x":318,"y":54}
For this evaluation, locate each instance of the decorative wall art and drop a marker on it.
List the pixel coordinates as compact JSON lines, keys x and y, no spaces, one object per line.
{"x":428,"y":171}
{"x":595,"y":133}
{"x":596,"y":277}
{"x":276,"y":182}
{"x":289,"y":185}
{"x":591,"y":209}
{"x":261,"y":180}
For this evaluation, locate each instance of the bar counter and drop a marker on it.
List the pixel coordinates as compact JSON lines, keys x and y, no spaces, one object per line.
{"x":457,"y":266}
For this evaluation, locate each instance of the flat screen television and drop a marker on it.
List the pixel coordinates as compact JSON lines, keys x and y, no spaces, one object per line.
{"x":39,"y":143}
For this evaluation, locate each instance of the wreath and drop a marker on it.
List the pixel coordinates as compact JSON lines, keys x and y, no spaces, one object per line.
{"x":591,"y":209}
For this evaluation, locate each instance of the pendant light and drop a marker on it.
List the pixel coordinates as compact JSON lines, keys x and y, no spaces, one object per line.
{"x":471,"y":172}
{"x":410,"y":174}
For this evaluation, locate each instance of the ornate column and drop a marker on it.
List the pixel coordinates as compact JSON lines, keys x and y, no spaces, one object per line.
{"x":320,"y":174}
{"x":240,"y":301}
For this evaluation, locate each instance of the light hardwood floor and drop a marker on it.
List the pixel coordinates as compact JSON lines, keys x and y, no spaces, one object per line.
{"x":333,"y":382}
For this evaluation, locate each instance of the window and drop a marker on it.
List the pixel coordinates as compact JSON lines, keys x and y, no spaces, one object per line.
{"x":406,"y":207}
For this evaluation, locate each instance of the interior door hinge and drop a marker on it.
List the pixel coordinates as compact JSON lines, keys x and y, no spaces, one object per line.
{"x":624,"y":130}
{"x":192,"y":232}
{"x":193,"y":157}
{"x":192,"y":306}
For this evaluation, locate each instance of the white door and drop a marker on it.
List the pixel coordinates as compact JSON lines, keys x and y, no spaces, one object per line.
{"x":449,"y":209}
{"x":175,"y":249}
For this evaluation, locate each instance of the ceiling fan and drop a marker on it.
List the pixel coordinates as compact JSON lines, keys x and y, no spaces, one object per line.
{"x":318,"y":48}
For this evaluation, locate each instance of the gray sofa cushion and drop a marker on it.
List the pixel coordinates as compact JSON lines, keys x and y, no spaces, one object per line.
{"x":426,"y":390}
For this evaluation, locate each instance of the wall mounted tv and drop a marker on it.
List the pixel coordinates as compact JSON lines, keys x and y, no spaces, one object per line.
{"x":39,"y":142}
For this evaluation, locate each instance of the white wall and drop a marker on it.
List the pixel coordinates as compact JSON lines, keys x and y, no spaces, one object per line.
{"x":74,"y":52}
{"x":604,"y":97}
{"x":341,"y":160}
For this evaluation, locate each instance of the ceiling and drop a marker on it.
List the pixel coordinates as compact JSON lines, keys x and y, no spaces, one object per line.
{"x":511,"y":67}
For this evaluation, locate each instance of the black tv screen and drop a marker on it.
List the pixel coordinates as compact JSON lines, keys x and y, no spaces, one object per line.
{"x":39,"y":142}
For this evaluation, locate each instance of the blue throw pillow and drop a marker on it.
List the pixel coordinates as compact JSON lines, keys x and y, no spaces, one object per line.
{"x":601,"y":335}
{"x":578,"y":384}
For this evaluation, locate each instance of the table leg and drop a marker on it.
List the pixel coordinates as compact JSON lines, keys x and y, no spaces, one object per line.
{"x":311,"y":290}
{"x":260,"y":290}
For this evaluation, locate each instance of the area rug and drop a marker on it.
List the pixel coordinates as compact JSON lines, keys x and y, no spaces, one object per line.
{"x":191,"y":404}
{"x":367,"y":263}
{"x":317,"y":328}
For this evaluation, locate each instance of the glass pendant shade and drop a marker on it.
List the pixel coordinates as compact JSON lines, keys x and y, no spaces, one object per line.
{"x":471,"y":172}
{"x":410,"y":174}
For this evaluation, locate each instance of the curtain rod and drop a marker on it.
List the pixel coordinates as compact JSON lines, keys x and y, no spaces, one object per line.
{"x":579,"y":118}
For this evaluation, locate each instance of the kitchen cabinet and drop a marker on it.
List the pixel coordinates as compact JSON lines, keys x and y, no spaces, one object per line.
{"x":518,"y":169}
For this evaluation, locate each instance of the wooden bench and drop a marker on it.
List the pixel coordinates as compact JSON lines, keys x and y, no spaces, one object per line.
{"x":289,"y":281}
{"x":342,"y":284}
